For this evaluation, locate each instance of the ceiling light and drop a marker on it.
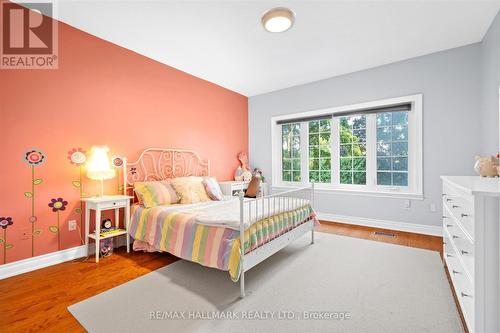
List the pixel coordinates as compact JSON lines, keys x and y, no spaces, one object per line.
{"x":278,"y":19}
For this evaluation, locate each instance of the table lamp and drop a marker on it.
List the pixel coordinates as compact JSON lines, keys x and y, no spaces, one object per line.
{"x":98,"y":166}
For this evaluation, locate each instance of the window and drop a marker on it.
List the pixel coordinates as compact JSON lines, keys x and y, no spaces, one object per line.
{"x":392,"y":148}
{"x":374,"y":147}
{"x":320,"y":170}
{"x":352,"y":137}
{"x":291,"y":152}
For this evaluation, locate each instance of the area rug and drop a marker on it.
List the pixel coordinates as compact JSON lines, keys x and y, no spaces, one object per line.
{"x":339,"y":284}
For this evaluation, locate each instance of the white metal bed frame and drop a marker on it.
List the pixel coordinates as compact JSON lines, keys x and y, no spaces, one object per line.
{"x":162,"y":163}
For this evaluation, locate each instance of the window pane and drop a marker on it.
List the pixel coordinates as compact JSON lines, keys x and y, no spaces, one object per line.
{"x":345,"y":163}
{"x":324,"y":125}
{"x":325,"y":177}
{"x":346,"y":177}
{"x":290,"y":152}
{"x":287,"y":164}
{"x":319,"y":151}
{"x":384,"y":163}
{"x":313,"y":164}
{"x":324,"y":151}
{"x":400,"y":179}
{"x":296,"y":176}
{"x":359,"y":178}
{"x":314,"y":176}
{"x":313,"y":139}
{"x":353,"y":130}
{"x":314,"y":126}
{"x":400,"y":163}
{"x":392,"y":148}
{"x":383,"y":178}
{"x":313,"y":152}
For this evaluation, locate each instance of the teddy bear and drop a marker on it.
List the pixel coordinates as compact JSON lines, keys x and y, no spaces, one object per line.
{"x":486,"y":166}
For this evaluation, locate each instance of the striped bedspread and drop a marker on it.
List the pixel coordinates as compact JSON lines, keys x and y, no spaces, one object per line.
{"x":176,"y":231}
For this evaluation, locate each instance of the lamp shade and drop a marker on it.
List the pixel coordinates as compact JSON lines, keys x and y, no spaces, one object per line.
{"x":98,"y":166}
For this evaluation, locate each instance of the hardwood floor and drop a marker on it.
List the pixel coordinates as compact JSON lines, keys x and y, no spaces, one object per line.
{"x":38,"y":301}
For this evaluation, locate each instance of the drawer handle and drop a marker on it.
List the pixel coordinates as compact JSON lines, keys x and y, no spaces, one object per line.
{"x":463,"y":215}
{"x":456,"y":272}
{"x":465,"y":295}
{"x":464,"y":252}
{"x":449,"y":199}
{"x":444,"y":194}
{"x":455,"y":236}
{"x":449,"y":255}
{"x":454,"y":206}
{"x":449,"y":225}
{"x":445,"y":217}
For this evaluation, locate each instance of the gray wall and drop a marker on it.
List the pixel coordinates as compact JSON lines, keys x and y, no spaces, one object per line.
{"x":450,"y":84}
{"x":490,"y":80}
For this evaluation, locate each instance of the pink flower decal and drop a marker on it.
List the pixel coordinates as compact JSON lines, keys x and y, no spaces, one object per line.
{"x":5,"y":222}
{"x":58,"y":204}
{"x":77,"y":156}
{"x":34,"y":157}
{"x":117,"y":161}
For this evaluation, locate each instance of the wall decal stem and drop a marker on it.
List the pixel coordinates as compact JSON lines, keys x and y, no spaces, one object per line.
{"x":4,"y":223}
{"x":57,"y":206}
{"x":34,"y":157}
{"x":77,"y":157}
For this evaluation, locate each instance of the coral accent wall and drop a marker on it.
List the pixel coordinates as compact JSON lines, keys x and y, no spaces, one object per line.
{"x":101,"y":94}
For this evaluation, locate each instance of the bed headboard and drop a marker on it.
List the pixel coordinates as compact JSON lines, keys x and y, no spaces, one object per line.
{"x":161,"y":164}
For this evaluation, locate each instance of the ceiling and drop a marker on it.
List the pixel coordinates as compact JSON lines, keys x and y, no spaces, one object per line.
{"x":223,"y":41}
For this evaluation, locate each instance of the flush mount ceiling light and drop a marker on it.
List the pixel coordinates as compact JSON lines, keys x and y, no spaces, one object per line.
{"x":278,"y":19}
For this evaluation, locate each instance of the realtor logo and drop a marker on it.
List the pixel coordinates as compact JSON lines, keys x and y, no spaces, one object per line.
{"x":29,"y":35}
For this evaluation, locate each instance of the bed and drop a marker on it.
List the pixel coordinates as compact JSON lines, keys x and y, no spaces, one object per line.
{"x":233,"y":234}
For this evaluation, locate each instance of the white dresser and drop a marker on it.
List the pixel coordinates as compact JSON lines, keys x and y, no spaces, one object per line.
{"x":471,"y":247}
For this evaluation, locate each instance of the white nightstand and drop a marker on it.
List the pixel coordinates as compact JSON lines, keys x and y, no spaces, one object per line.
{"x":98,"y":204}
{"x":234,"y":187}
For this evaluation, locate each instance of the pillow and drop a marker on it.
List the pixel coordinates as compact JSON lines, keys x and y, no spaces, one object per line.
{"x":253,"y":188}
{"x":151,"y":194}
{"x":190,"y":189}
{"x":212,"y":188}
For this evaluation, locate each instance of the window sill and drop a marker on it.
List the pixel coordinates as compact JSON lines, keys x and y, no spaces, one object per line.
{"x":377,"y":194}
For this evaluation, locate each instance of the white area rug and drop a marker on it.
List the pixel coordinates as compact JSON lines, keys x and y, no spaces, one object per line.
{"x":375,"y":287}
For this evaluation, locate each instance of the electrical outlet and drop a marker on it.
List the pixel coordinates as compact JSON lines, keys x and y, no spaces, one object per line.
{"x":432,"y":207}
{"x":407,"y":204}
{"x":72,"y":225}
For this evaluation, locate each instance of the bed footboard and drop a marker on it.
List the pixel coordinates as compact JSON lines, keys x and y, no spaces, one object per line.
{"x":286,"y":201}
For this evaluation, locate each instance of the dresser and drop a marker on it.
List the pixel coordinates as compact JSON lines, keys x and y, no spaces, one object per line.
{"x":471,"y":247}
{"x":234,"y":187}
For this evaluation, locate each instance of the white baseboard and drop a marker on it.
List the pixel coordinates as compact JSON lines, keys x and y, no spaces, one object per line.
{"x":385,"y":224}
{"x":49,"y":259}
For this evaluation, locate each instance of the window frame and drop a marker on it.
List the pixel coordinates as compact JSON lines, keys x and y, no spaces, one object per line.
{"x":414,"y":190}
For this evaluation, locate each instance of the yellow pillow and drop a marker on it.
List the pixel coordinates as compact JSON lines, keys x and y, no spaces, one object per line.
{"x":151,"y":194}
{"x":190,"y":189}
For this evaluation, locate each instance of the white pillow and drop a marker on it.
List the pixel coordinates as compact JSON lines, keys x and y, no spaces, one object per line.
{"x":212,"y":188}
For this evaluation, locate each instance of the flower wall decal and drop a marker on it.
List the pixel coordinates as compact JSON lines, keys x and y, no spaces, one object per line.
{"x":57,"y":206}
{"x":118,"y":162}
{"x":78,"y":157}
{"x":5,"y":222}
{"x":34,"y":158}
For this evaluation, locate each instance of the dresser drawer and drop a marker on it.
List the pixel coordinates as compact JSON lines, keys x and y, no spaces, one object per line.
{"x":455,"y":236}
{"x":463,"y":288}
{"x":112,"y":204}
{"x":461,"y":208}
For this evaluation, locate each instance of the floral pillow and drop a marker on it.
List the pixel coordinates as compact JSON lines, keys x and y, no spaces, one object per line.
{"x":212,"y":188}
{"x":190,"y":189}
{"x":151,"y":194}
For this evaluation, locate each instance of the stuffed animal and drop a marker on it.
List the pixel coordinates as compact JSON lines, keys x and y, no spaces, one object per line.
{"x":486,"y":166}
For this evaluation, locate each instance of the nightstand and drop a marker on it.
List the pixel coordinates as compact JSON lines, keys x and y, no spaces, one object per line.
{"x":99,"y":204}
{"x":234,"y":187}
